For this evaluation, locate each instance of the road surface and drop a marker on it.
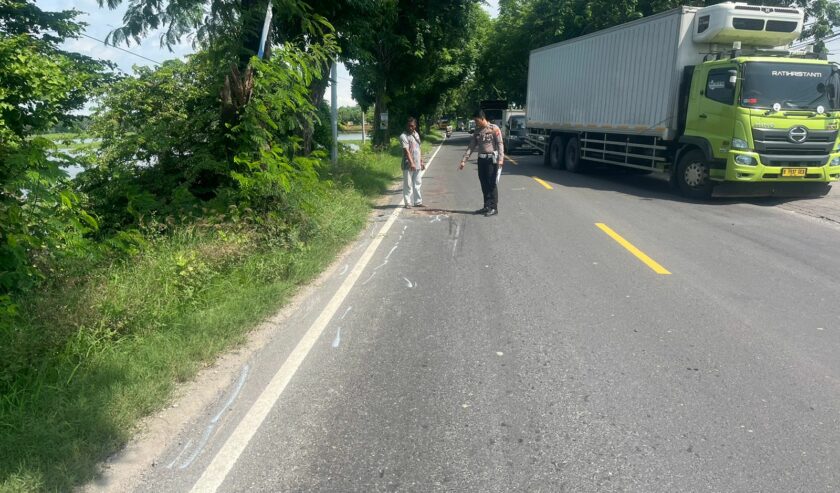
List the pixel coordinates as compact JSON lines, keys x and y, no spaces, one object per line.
{"x":599,"y":334}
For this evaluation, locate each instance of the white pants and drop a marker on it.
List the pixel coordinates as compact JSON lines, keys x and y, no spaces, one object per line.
{"x":412,"y":180}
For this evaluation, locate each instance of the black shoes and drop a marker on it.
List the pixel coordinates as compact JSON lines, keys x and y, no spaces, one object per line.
{"x":490,"y":212}
{"x":481,"y":211}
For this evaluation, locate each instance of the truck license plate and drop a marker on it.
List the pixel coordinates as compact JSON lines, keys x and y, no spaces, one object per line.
{"x":794,"y":172}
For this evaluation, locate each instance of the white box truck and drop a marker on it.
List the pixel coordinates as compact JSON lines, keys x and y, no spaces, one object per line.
{"x":707,"y":95}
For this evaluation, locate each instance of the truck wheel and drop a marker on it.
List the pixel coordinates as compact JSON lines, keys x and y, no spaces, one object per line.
{"x":554,"y":154}
{"x":692,"y":175}
{"x":573,"y":161}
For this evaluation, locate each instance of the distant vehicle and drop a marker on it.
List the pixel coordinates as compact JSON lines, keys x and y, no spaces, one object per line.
{"x":449,"y":130}
{"x":494,"y":110}
{"x":471,"y":126}
{"x":664,"y":96}
{"x":514,"y":131}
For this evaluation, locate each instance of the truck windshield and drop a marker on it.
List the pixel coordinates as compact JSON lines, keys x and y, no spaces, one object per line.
{"x":517,"y":123}
{"x":795,"y":86}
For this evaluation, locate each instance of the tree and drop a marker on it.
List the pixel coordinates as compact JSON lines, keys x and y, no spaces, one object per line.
{"x":450,"y":65}
{"x":391,"y":50}
{"x":40,"y":85}
{"x":231,"y":31}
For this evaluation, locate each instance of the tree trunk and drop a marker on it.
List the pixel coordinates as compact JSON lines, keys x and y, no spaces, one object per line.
{"x":316,"y":94}
{"x":239,"y":83}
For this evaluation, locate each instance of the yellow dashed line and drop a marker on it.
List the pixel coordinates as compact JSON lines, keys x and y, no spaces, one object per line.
{"x":632,"y":249}
{"x":543,"y":183}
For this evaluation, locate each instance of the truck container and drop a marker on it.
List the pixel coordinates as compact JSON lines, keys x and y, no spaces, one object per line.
{"x":708,"y":95}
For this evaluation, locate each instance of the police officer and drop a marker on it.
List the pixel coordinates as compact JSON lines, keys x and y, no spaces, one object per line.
{"x":487,"y":139}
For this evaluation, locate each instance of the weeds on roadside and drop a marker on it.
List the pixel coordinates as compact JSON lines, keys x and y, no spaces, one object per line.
{"x":95,"y":351}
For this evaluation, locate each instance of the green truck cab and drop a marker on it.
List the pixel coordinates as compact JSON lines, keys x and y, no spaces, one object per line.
{"x":760,"y":120}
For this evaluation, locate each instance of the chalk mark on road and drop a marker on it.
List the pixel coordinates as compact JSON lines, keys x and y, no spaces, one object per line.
{"x":455,"y":235}
{"x":208,"y":431}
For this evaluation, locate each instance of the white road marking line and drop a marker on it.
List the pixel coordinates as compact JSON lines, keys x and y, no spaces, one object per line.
{"x":233,"y":447}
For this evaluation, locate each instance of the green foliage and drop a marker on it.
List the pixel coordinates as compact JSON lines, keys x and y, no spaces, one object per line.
{"x":403,"y":53}
{"x":88,"y":357}
{"x":42,"y":220}
{"x":161,"y":149}
{"x":524,"y":25}
{"x":269,"y":160}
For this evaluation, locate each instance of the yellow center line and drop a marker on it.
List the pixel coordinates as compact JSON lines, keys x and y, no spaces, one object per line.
{"x":508,"y":158}
{"x":543,"y":183}
{"x":632,"y":249}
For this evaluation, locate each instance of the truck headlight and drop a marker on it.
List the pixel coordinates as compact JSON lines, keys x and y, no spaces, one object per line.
{"x":739,"y":144}
{"x":835,"y":161}
{"x":745,"y":160}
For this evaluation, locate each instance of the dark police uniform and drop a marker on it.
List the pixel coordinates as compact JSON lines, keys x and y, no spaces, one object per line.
{"x":489,"y":143}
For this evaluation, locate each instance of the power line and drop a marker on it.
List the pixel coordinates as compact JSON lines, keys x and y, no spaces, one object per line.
{"x":121,"y":49}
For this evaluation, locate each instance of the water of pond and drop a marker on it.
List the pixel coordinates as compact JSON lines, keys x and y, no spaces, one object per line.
{"x":72,"y":171}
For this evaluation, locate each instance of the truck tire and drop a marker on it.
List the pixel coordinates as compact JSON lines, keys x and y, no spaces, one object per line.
{"x":554,"y":152}
{"x":692,"y":175}
{"x":572,"y":156}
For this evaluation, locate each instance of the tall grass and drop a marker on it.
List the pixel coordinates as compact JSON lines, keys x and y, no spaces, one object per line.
{"x":91,"y":355}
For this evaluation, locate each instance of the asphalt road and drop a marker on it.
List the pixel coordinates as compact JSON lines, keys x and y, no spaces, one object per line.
{"x":532,"y":351}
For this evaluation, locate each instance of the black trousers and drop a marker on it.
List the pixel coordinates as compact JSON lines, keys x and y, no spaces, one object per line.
{"x":487,"y":170}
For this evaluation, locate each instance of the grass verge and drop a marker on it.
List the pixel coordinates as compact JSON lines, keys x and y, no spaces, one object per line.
{"x":90,"y":356}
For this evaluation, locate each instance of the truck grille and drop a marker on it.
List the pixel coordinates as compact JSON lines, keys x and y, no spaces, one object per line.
{"x":776,"y":148}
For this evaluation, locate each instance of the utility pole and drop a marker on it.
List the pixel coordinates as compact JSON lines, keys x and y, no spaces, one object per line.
{"x":334,"y":105}
{"x":265,"y":29}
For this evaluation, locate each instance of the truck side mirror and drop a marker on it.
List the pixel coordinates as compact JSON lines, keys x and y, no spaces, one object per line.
{"x":732,"y":80}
